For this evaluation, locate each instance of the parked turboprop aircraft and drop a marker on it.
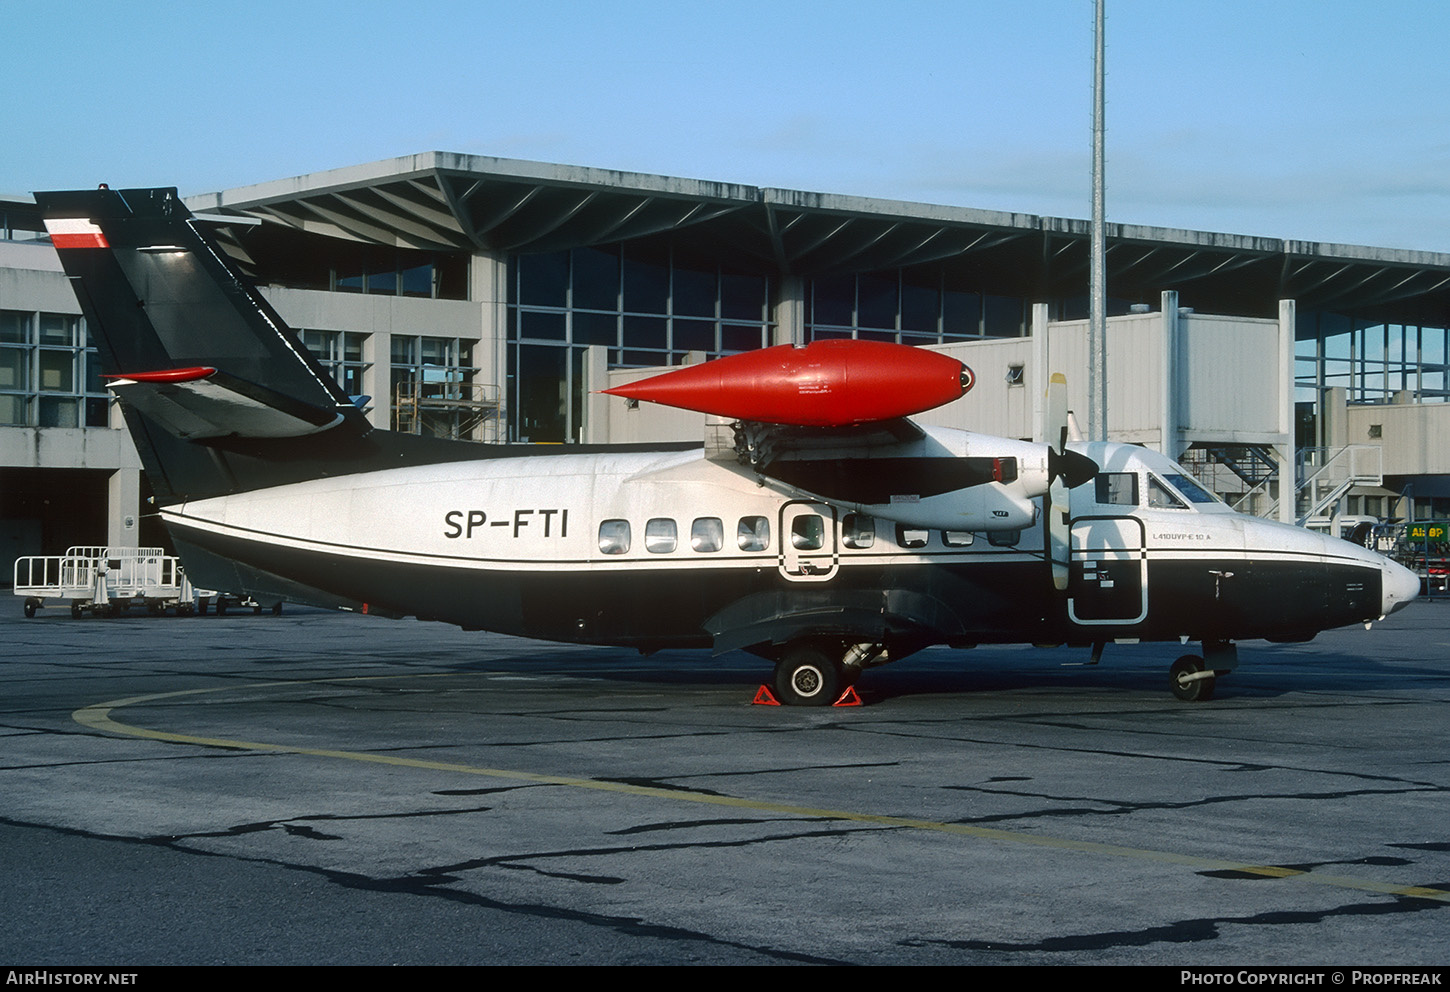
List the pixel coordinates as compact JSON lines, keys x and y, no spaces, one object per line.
{"x":817,"y":525}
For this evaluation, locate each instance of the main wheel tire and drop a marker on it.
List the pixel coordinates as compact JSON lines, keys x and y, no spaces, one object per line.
{"x":808,"y":676}
{"x":1188,"y":690}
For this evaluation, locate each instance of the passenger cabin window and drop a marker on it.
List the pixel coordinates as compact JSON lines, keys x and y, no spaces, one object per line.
{"x":956,"y":538}
{"x":1161,"y":497}
{"x":808,"y":532}
{"x":753,"y":534}
{"x":707,"y":534}
{"x":660,"y":536}
{"x":614,"y":537}
{"x":911,"y":537}
{"x":858,"y":530}
{"x":1117,"y":489}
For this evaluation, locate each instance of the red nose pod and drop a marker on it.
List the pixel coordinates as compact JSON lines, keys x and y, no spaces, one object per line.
{"x":824,"y":384}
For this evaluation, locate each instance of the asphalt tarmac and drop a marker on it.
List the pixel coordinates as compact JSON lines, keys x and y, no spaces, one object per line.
{"x":322,"y":788}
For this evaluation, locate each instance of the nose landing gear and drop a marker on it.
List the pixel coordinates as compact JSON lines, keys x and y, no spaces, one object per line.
{"x":1193,"y":678}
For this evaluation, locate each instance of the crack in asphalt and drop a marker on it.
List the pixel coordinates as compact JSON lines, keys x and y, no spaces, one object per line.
{"x":1119,"y":807}
{"x":432,"y":884}
{"x":1183,"y":931}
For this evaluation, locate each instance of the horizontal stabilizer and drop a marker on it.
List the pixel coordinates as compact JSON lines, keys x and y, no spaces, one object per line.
{"x":202,"y":403}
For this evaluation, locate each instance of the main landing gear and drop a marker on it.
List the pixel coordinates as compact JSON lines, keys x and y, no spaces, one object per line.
{"x":819,"y":672}
{"x":1193,"y":678}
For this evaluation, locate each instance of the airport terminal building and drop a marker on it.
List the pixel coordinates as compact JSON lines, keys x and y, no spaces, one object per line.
{"x":489,"y":299}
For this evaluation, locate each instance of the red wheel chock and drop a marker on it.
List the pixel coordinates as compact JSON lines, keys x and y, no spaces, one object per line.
{"x":764,"y":697}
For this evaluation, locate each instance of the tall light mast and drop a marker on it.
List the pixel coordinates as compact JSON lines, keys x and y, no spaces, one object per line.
{"x":1097,"y":263}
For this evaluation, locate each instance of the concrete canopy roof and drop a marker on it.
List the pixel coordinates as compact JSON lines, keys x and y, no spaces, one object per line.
{"x":454,"y":202}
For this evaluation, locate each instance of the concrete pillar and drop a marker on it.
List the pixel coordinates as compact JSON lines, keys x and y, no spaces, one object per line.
{"x":123,"y":508}
{"x":790,"y":311}
{"x":1038,"y":372}
{"x":1172,"y":325}
{"x":1284,"y":447}
{"x":596,"y":405}
{"x":377,"y":378}
{"x":488,"y":287}
{"x":1336,"y":417}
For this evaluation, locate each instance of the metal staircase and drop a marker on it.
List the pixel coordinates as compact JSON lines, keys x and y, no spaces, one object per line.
{"x":1323,"y":476}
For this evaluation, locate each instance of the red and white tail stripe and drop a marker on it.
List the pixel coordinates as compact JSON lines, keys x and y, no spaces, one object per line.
{"x":75,"y":232}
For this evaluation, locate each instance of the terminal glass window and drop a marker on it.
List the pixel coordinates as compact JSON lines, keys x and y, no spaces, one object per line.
{"x":918,"y":306}
{"x":49,"y":372}
{"x":647,"y":303}
{"x":341,"y":354}
{"x":433,"y":388}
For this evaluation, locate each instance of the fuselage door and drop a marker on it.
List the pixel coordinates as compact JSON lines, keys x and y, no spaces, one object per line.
{"x":1108,"y":577}
{"x":808,"y":541}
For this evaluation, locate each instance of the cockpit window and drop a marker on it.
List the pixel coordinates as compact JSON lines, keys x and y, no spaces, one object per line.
{"x":1162,"y":497}
{"x":1117,"y":489}
{"x":1190,"y":487}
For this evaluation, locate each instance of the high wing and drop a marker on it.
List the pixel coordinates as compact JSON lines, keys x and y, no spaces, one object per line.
{"x":829,"y":421}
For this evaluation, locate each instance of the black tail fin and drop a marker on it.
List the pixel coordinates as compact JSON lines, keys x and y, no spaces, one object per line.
{"x":217,"y":390}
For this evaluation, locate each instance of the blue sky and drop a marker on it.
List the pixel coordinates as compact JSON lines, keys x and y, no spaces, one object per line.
{"x":1309,"y":120}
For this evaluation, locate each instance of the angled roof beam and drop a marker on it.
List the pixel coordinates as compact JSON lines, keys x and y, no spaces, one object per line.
{"x":816,"y":242}
{"x":441,"y":220}
{"x":549,"y":226}
{"x":411,"y":230}
{"x":358,"y":228}
{"x":483,"y":229}
{"x":838,"y":252}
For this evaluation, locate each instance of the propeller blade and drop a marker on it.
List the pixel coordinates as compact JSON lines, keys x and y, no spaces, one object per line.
{"x":1057,"y":412}
{"x":1058,"y":533}
{"x":1066,"y":470}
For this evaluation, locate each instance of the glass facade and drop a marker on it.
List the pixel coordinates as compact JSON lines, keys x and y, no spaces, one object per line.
{"x":49,"y":372}
{"x":646,"y":304}
{"x":918,"y":306}
{"x":1371,"y":360}
{"x":341,"y":354}
{"x":430,"y":379}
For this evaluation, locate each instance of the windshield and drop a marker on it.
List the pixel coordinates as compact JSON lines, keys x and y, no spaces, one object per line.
{"x":1190,"y":487}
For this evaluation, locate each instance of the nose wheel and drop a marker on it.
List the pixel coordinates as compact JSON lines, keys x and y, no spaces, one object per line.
{"x":1191,"y":680}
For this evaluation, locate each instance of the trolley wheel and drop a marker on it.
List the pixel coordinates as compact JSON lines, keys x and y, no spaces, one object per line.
{"x":76,"y":610}
{"x":221,"y":606}
{"x":31,"y":605}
